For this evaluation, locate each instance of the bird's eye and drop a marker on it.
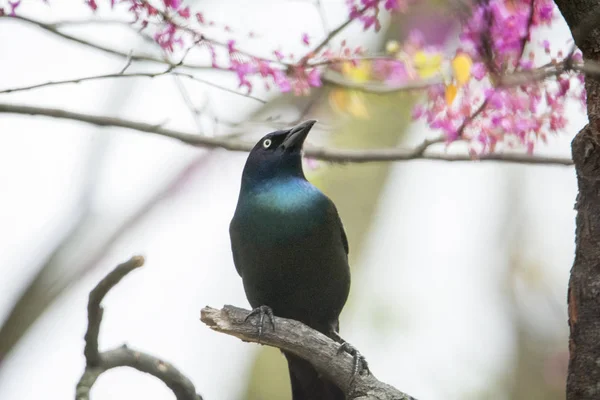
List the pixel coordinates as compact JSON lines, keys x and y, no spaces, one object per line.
{"x":267,"y":143}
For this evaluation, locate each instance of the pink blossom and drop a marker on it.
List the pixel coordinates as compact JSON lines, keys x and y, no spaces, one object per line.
{"x":305,"y":39}
{"x":184,"y":12}
{"x":13,"y":7}
{"x":231,"y":46}
{"x":314,"y":78}
{"x":92,"y":4}
{"x":167,"y":37}
{"x":282,"y":81}
{"x":478,"y":70}
{"x":546,"y":46}
{"x":173,"y":4}
{"x":243,"y":70}
{"x":418,"y":111}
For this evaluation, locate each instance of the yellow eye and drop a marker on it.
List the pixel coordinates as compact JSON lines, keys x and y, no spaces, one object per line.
{"x":267,"y":143}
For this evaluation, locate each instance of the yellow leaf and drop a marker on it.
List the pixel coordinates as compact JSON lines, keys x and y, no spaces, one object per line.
{"x":461,"y":68}
{"x":451,"y":91}
{"x":427,"y":65}
{"x":338,"y":100}
{"x":357,"y":105}
{"x":357,"y":73}
{"x":348,"y":102}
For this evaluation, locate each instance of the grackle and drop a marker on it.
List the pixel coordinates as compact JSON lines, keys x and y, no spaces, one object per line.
{"x":290,"y":248}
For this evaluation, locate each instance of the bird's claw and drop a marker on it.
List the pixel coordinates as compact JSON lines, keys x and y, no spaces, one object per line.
{"x":360,"y":366}
{"x":262,"y":311}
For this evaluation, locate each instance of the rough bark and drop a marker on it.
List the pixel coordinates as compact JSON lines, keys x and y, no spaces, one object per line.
{"x":297,"y":338}
{"x":583,"y":381}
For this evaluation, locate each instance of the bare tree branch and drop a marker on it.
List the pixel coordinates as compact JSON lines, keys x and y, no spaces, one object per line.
{"x":98,"y":363}
{"x":325,"y":154}
{"x":131,"y":75}
{"x":37,"y":296}
{"x":297,"y":338}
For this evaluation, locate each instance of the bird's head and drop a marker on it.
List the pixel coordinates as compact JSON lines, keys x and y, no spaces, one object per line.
{"x":277,"y":154}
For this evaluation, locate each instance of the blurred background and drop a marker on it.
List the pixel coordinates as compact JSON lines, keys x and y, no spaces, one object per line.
{"x":460,"y":270}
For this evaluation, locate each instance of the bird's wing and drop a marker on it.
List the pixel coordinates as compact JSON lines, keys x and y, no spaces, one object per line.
{"x":233,"y":238}
{"x":336,"y":218}
{"x":344,"y":238}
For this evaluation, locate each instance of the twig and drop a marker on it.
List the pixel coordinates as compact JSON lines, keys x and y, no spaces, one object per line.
{"x":50,"y":28}
{"x":322,"y":15}
{"x":469,"y":119}
{"x":95,"y":311}
{"x":338,"y":79}
{"x":90,"y":21}
{"x":527,"y":35}
{"x":127,"y":63}
{"x":329,"y":37}
{"x":166,"y":17}
{"x":230,"y":143}
{"x":589,"y":68}
{"x":98,"y":363}
{"x":131,"y":75}
{"x":513,"y":79}
{"x":297,"y":338}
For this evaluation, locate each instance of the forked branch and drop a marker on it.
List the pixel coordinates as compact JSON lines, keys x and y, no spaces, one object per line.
{"x":99,"y":362}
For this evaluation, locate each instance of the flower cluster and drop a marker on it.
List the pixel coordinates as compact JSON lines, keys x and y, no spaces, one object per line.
{"x":468,"y":96}
{"x":489,"y":109}
{"x":471,"y":99}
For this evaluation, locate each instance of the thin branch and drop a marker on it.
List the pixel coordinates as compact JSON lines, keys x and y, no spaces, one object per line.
{"x":589,"y":67}
{"x":95,"y":311}
{"x":527,"y":35}
{"x":297,"y":338}
{"x":513,"y":79}
{"x":230,"y":143}
{"x":471,"y":118}
{"x":185,"y":96}
{"x":97,"y":363}
{"x":167,"y":18}
{"x":337,"y":79}
{"x":322,"y":15}
{"x":127,"y":63}
{"x":330,"y":36}
{"x":50,"y":28}
{"x":131,"y":75}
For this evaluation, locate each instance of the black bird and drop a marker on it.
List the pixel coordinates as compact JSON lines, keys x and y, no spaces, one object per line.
{"x":290,"y":248}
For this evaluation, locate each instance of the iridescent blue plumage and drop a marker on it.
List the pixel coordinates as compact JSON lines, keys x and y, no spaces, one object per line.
{"x":290,"y":248}
{"x":291,"y":205}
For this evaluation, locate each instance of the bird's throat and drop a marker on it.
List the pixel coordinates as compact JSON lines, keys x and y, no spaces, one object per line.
{"x":286,"y":195}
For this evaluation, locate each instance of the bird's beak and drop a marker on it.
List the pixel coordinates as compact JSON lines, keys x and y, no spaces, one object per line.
{"x":295,"y":137}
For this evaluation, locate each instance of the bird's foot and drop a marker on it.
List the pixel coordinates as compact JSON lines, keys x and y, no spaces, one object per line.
{"x":262,"y":311}
{"x":360,"y":366}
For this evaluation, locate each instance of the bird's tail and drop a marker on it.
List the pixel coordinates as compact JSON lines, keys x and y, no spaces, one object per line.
{"x":307,"y":384}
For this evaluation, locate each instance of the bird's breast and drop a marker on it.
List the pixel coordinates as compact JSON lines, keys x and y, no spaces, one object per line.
{"x":281,"y":211}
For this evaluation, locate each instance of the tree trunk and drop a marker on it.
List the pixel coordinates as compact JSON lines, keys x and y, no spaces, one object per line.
{"x":583,"y":381}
